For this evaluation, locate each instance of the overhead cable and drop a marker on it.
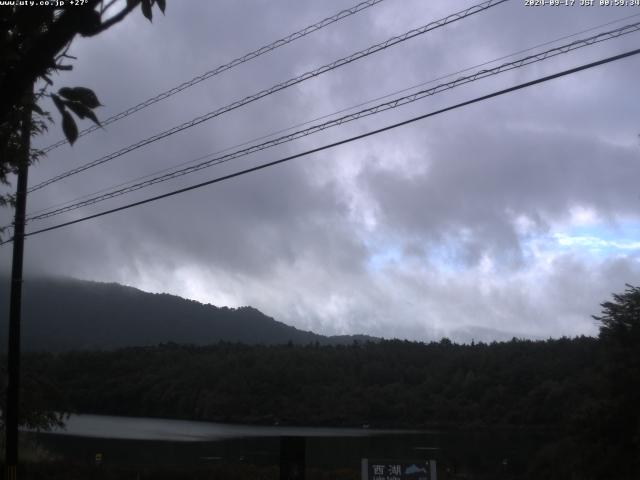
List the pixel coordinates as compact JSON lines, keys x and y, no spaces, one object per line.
{"x":276,"y":88}
{"x":340,"y":142}
{"x":395,"y":103}
{"x":325,"y":116}
{"x":223,"y":68}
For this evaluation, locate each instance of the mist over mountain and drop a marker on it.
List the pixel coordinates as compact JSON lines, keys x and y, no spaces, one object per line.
{"x":66,"y":314}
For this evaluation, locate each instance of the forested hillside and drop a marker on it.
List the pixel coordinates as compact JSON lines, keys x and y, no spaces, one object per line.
{"x":64,"y":314}
{"x":585,"y":390}
{"x":392,"y":383}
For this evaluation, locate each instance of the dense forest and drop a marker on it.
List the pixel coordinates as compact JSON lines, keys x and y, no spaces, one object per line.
{"x":556,"y":385}
{"x":391,"y":383}
{"x":584,"y":390}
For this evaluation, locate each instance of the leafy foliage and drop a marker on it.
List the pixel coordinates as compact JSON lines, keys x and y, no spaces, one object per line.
{"x":81,"y":101}
{"x":615,"y":422}
{"x":42,"y":404}
{"x":34,"y":42}
{"x":620,"y":319}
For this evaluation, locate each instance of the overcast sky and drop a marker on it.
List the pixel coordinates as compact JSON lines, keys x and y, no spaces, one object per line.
{"x":516,"y":216}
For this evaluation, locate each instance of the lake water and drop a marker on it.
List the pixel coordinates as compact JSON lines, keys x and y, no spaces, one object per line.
{"x":149,"y":441}
{"x":136,"y":428}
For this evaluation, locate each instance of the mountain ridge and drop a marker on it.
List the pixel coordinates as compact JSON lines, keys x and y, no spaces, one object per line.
{"x":61,"y":314}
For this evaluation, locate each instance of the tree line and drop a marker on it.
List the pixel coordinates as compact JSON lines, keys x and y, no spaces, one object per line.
{"x":386,"y":384}
{"x":586,"y":390}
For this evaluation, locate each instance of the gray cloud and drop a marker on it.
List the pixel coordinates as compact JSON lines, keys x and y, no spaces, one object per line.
{"x":520,"y":173}
{"x":441,"y":228}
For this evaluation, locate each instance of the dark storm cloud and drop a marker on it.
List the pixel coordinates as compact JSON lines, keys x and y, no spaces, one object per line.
{"x":520,"y":173}
{"x":416,"y":233}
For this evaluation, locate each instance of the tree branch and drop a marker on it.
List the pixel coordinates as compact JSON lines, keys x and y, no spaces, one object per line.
{"x":118,"y":17}
{"x":38,"y":58}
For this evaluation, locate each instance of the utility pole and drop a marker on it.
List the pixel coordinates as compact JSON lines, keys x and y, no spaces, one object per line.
{"x":15,"y":305}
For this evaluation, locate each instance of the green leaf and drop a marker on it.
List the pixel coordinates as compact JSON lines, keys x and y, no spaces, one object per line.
{"x":57,"y":101}
{"x":69,"y":127}
{"x":162,"y":4}
{"x":82,"y":95}
{"x":82,"y":111}
{"x":146,"y":9}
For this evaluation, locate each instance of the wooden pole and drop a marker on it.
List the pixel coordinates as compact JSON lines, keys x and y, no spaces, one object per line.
{"x":15,"y":305}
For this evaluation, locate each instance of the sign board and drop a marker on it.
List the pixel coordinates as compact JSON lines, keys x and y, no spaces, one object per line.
{"x":386,"y":469}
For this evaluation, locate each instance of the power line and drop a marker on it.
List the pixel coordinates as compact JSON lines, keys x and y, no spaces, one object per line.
{"x":341,"y":142}
{"x":227,"y":66}
{"x":322,"y":117}
{"x":351,"y":117}
{"x":281,"y":86}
